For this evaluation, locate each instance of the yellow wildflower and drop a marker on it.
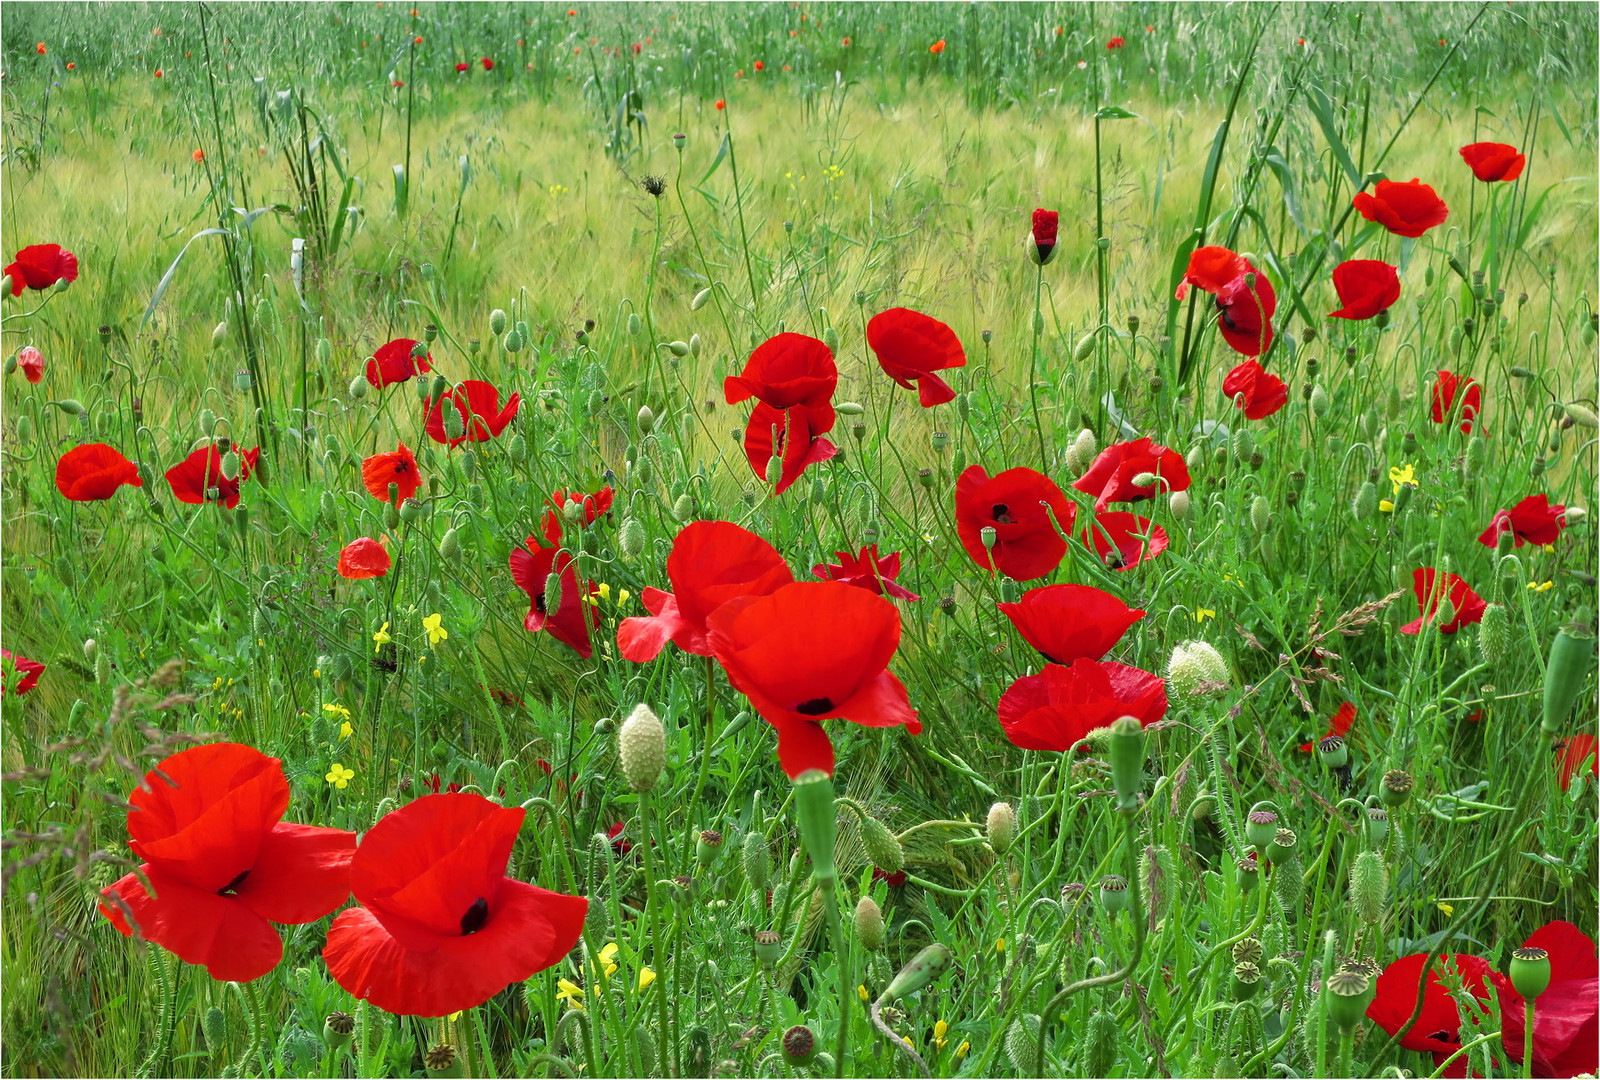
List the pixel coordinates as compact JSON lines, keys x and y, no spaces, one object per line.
{"x":861,"y":992}
{"x":646,"y":977}
{"x":608,"y":959}
{"x":339,"y":776}
{"x":1541,"y":586}
{"x":334,"y":709}
{"x":1385,"y":506}
{"x":381,"y":638}
{"x":433,"y":624}
{"x":570,"y":992}
{"x":1448,"y":909}
{"x":961,"y":1051}
{"x":1202,"y":614}
{"x":346,"y":730}
{"x":940,"y":1030}
{"x":1000,"y":945}
{"x":1402,"y":476}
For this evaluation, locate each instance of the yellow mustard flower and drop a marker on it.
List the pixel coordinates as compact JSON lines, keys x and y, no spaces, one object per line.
{"x":940,"y":1030}
{"x":961,"y":1051}
{"x":570,"y":992}
{"x":1385,"y":506}
{"x":334,"y":709}
{"x":346,"y":730}
{"x":646,"y":977}
{"x":381,"y":638}
{"x":433,"y":624}
{"x":1402,"y":476}
{"x":1448,"y":909}
{"x":608,"y":959}
{"x":339,"y":776}
{"x":1202,"y":614}
{"x":1541,"y":586}
{"x":861,"y":992}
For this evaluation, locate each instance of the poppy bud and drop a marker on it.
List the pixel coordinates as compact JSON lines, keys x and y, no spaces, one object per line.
{"x":757,"y":863}
{"x":1127,"y":762}
{"x":694,"y":344}
{"x":1333,"y":753}
{"x":882,"y":846}
{"x":799,"y":1046}
{"x":1494,"y":635}
{"x":24,"y":428}
{"x":768,"y":947}
{"x":1022,"y":1039}
{"x":1369,"y":887}
{"x":512,"y":342}
{"x":707,"y":846}
{"x":1530,"y":971}
{"x":678,"y":348}
{"x":1260,"y":513}
{"x":357,"y":388}
{"x":1365,"y":504}
{"x":219,"y":336}
{"x":646,"y":419}
{"x":1260,"y":828}
{"x":1001,"y":827}
{"x":552,"y":593}
{"x":700,"y":299}
{"x":635,"y":324}
{"x":497,"y":322}
{"x":1084,"y":349}
{"x":442,"y":1061}
{"x":1114,"y":893}
{"x":1080,"y":452}
{"x":1572,"y":657}
{"x":683,"y":508}
{"x":1245,"y":982}
{"x":1195,"y":664}
{"x":336,"y":1029}
{"x":1397,"y":785}
{"x":1582,"y":415}
{"x":830,"y":338}
{"x":918,"y":973}
{"x":641,"y":744}
{"x":5,"y":286}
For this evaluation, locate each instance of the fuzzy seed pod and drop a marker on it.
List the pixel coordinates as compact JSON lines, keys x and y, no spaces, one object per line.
{"x":642,"y":746}
{"x":1100,"y":1048}
{"x":882,"y":846}
{"x":1369,"y":887}
{"x":1494,"y":635}
{"x":869,"y":924}
{"x":1196,"y":666}
{"x":215,"y":1029}
{"x":1022,"y":1040}
{"x":1365,"y":504}
{"x":757,"y":862}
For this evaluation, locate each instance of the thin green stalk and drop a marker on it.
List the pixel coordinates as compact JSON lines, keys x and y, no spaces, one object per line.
{"x":653,"y":922}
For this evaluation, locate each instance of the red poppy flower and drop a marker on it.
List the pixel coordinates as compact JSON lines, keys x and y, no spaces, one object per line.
{"x":1338,"y":724}
{"x":39,"y":266}
{"x":1212,"y":269}
{"x":1566,"y":1026}
{"x":1046,"y":224}
{"x":1492,"y":161}
{"x":1116,"y":42}
{"x":397,"y":467}
{"x":1438,"y":1027}
{"x":394,"y":362}
{"x":1573,"y":753}
{"x":1365,"y":287}
{"x":1244,"y":298}
{"x":759,"y":66}
{"x":1532,"y":521}
{"x":463,"y":66}
{"x":364,"y":558}
{"x":198,"y":478}
{"x":1122,"y":539}
{"x":40,"y":48}
{"x":910,"y":347}
{"x":478,"y":403}
{"x":1058,"y":707}
{"x":94,"y":471}
{"x":937,"y":47}
{"x":31,"y":362}
{"x":224,"y":866}
{"x":1405,"y":209}
{"x":595,"y":506}
{"x":1030,"y":515}
{"x":620,"y":844}
{"x":1445,"y":387}
{"x":795,"y":433}
{"x":787,"y":369}
{"x":866,"y":571}
{"x":1070,"y":622}
{"x":1110,"y":477}
{"x":441,"y":928}
{"x":488,"y":64}
{"x":1263,"y":392}
{"x":1432,"y":586}
{"x":27,"y":670}
{"x":894,"y":880}
{"x":711,"y":563}
{"x":531,"y":567}
{"x":721,"y":104}
{"x":810,"y":651}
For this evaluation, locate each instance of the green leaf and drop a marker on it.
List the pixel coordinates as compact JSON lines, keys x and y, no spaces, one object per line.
{"x":1114,"y":112}
{"x":166,"y":279}
{"x":722,"y":152}
{"x":1322,"y":109}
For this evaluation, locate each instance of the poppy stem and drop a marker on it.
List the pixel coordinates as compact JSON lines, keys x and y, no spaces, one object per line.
{"x":653,"y":922}
{"x":705,"y":749}
{"x":841,"y":957}
{"x":1033,"y":366}
{"x":1527,"y":1038}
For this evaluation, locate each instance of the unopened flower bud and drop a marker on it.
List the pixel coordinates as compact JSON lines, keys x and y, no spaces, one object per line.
{"x":869,"y":924}
{"x":1127,"y":762}
{"x":1001,"y":827}
{"x":882,"y":846}
{"x":358,"y":388}
{"x":1369,"y":887}
{"x":1196,"y":666}
{"x":1084,"y":349}
{"x":642,"y":746}
{"x":918,"y":973}
{"x":219,"y":336}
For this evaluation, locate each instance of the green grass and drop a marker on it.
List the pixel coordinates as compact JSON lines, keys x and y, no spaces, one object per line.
{"x":909,"y":181}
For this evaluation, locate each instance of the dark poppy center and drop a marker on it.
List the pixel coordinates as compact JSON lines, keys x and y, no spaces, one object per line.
{"x":1114,"y":560}
{"x":230,"y":887}
{"x":476,"y":916}
{"x":1001,"y":514}
{"x":400,"y":468}
{"x":814,"y":707}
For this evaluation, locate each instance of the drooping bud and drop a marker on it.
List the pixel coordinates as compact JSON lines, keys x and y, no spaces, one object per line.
{"x":882,"y":846}
{"x":1365,"y":504}
{"x":450,"y":546}
{"x":918,"y":973}
{"x":1179,"y":505}
{"x":1084,"y":349}
{"x":357,"y":388}
{"x":1260,"y":514}
{"x":1022,"y":1040}
{"x":1127,"y":762}
{"x":869,"y":924}
{"x":1494,"y":635}
{"x":642,"y":746}
{"x":552,"y":593}
{"x":630,"y":538}
{"x":1001,"y":827}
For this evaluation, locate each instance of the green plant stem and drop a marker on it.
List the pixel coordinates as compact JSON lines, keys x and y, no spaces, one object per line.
{"x":1033,"y":366}
{"x":653,"y":925}
{"x":1527,"y":1038}
{"x":830,"y":914}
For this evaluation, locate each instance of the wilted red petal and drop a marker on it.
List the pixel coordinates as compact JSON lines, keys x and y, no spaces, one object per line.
{"x":364,"y":558}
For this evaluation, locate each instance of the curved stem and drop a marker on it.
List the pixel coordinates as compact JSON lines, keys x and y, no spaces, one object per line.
{"x":896,"y":1041}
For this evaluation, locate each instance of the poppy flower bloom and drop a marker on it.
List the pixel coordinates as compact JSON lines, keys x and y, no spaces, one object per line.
{"x":394,"y":363}
{"x":364,"y":558}
{"x":937,"y":47}
{"x":1492,"y":161}
{"x":1244,"y":297}
{"x":811,"y":651}
{"x":1405,"y":209}
{"x":711,"y":563}
{"x":721,"y":104}
{"x":1122,"y":539}
{"x":40,"y":49}
{"x":1566,"y":1025}
{"x":1046,"y":224}
{"x":478,"y":403}
{"x":222,"y":864}
{"x":397,"y":467}
{"x":1030,"y":515}
{"x":1339,"y":724}
{"x":1110,"y":477}
{"x":1069,"y":622}
{"x":910,"y":347}
{"x":441,"y":928}
{"x":531,"y":567}
{"x":795,"y":434}
{"x":94,"y":471}
{"x":867,"y":571}
{"x":1573,"y":753}
{"x":1058,"y":707}
{"x":488,"y":64}
{"x":787,"y":369}
{"x":1532,"y":521}
{"x":463,"y":66}
{"x":759,"y":66}
{"x":198,"y":478}
{"x":1438,"y":1027}
{"x":1116,"y":42}
{"x":31,"y":361}
{"x":595,"y":507}
{"x":27,"y":670}
{"x":1433,"y":586}
{"x":1446,"y":385}
{"x":1255,"y":390}
{"x":1365,"y":287}
{"x":39,"y":266}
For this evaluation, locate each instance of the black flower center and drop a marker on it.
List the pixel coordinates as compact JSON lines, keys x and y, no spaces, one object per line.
{"x":476,"y":916}
{"x":814,"y":707}
{"x":230,"y":887}
{"x":1001,"y":514}
{"x":400,"y":468}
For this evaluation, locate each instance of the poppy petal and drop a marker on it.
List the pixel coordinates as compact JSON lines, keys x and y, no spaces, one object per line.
{"x":301,"y":873}
{"x":232,"y":942}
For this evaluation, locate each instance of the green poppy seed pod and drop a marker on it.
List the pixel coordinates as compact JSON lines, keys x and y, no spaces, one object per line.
{"x":1260,"y":827}
{"x":988,"y":535}
{"x":337,"y":1030}
{"x":1282,"y":846}
{"x":1248,"y":875}
{"x":419,"y":351}
{"x":882,"y":846}
{"x":1022,"y":1040}
{"x":1245,"y":982}
{"x":1084,"y":348}
{"x":24,"y":428}
{"x":1114,"y":893}
{"x":1377,"y":826}
{"x":694,"y":344}
{"x":708,"y":846}
{"x":869,"y":924}
{"x":1397,"y":786}
{"x":1001,"y":827}
{"x":1247,"y":951}
{"x":357,"y":388}
{"x":1319,"y":401}
{"x":1345,"y":997}
{"x":642,"y":746}
{"x":679,"y":140}
{"x":1572,"y":658}
{"x":1127,"y":762}
{"x":215,"y":1029}
{"x":635,"y":324}
{"x":441,"y":1060}
{"x":1494,"y":635}
{"x":1260,"y":514}
{"x":1100,"y":1048}
{"x":1530,"y":971}
{"x":918,"y":973}
{"x":1365,"y":504}
{"x":1333,"y":753}
{"x":678,"y":348}
{"x":411,"y":511}
{"x":767,"y":946}
{"x":1369,"y":887}
{"x":799,"y":1046}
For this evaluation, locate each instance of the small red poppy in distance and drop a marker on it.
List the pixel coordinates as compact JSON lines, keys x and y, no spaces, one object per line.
{"x":463,"y":66}
{"x":759,"y":66}
{"x":795,"y":434}
{"x":1571,"y":754}
{"x":1365,"y":287}
{"x":867,"y":571}
{"x":1433,"y":586}
{"x":31,"y":362}
{"x":198,"y":478}
{"x":1338,"y":724}
{"x":910,"y":347}
{"x":1493,"y":161}
{"x":1070,"y":622}
{"x":1110,"y":477}
{"x":488,"y":64}
{"x":478,"y":403}
{"x":1534,"y":520}
{"x":1116,"y":42}
{"x":39,"y":266}
{"x":1030,"y":515}
{"x":721,"y":104}
{"x":364,"y":558}
{"x":711,"y":563}
{"x":787,"y":369}
{"x":808,"y":652}
{"x":27,"y":671}
{"x":1243,"y":296}
{"x":1405,"y":209}
{"x":1438,"y":1027}
{"x":937,"y":47}
{"x":222,"y":864}
{"x":594,"y":507}
{"x":1446,"y":386}
{"x":1566,"y":1026}
{"x":94,"y":471}
{"x":397,"y":468}
{"x":394,"y":362}
{"x":1057,"y":708}
{"x":1122,"y":539}
{"x":1255,"y":390}
{"x":441,"y":928}
{"x":575,"y":613}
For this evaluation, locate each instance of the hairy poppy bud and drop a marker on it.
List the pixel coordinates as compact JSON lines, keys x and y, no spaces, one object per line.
{"x":630,"y":538}
{"x":1319,"y":401}
{"x":646,"y":419}
{"x":757,"y":863}
{"x":768,"y":947}
{"x":215,"y":1029}
{"x":1260,"y":514}
{"x":1530,"y":971}
{"x":1369,"y":887}
{"x":1572,"y":658}
{"x":1365,"y":504}
{"x":1001,"y":827}
{"x":1494,"y":635}
{"x":230,"y":465}
{"x":1080,"y":452}
{"x":799,"y":1046}
{"x":1260,"y":827}
{"x":1127,"y":762}
{"x":635,"y":324}
{"x":830,"y":338}
{"x":918,"y":973}
{"x":357,"y":388}
{"x":869,"y":924}
{"x":512,"y":342}
{"x":1245,"y":982}
{"x":219,"y":336}
{"x":1179,"y":504}
{"x":683,"y":508}
{"x":700,"y":299}
{"x":1114,"y":893}
{"x":882,"y":846}
{"x":25,"y":428}
{"x":642,"y":746}
{"x":337,"y":1029}
{"x":678,"y":348}
{"x":552,"y":593}
{"x":1195,"y":666}
{"x":1084,"y":349}
{"x":1022,"y":1039}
